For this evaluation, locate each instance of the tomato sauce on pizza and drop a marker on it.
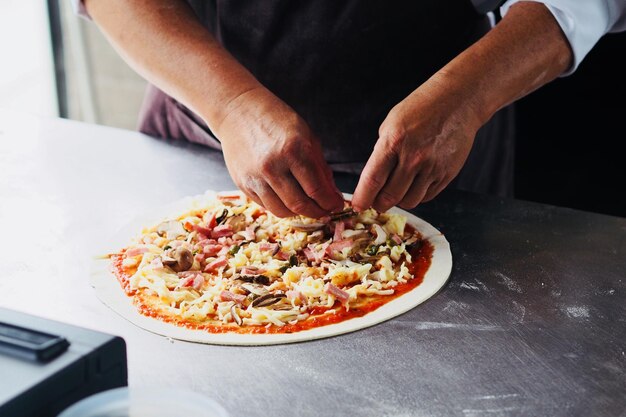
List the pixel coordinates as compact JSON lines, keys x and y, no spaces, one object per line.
{"x":232,"y":267}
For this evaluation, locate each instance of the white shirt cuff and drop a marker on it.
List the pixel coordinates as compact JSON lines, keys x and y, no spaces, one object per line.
{"x":583,"y":22}
{"x":79,"y":8}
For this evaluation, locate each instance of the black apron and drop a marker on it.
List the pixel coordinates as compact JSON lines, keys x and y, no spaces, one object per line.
{"x":342,"y":65}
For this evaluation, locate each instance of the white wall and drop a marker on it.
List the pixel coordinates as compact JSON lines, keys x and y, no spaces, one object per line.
{"x":26,"y":66}
{"x":102,"y":89}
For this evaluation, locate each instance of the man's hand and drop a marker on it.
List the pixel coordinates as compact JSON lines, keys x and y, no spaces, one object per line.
{"x":273,"y":157}
{"x":270,"y":152}
{"x":423,"y":144}
{"x":425,"y":140}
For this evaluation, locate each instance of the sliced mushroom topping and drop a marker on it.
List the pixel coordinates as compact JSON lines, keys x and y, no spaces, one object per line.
{"x":283,"y":307}
{"x":255,"y":289}
{"x":306,"y":227}
{"x":315,"y":237}
{"x":261,"y":279}
{"x":255,"y":279}
{"x":354,"y":234}
{"x":268,"y":299}
{"x":367,"y":254}
{"x":167,"y":260}
{"x":367,"y":259}
{"x":233,"y":313}
{"x":179,"y":259}
{"x":360,"y":244}
{"x":237,"y":222}
{"x":412,"y":241}
{"x":250,"y":270}
{"x":171,"y":229}
{"x":344,"y":214}
{"x":222,"y":217}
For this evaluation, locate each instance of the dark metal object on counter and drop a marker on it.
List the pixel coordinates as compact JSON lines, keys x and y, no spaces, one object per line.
{"x":83,"y":362}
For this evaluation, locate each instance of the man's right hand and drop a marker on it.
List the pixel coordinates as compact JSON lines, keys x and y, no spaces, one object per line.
{"x":270,"y":152}
{"x":274,"y":158}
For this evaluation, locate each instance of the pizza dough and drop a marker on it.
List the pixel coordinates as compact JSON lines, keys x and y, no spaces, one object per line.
{"x":110,"y":292}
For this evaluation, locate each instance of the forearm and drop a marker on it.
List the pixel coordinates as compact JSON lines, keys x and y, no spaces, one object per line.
{"x":426,"y":138}
{"x":164,"y":42}
{"x":523,"y":52}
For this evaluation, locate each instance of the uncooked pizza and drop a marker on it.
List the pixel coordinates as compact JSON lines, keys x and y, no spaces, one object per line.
{"x":225,"y":265}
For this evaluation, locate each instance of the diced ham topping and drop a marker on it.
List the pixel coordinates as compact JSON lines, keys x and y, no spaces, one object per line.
{"x":396,"y":239}
{"x":202,"y":243}
{"x":229,"y":296}
{"x":336,"y":292}
{"x":226,"y":241}
{"x":267,"y":246}
{"x":349,"y":223}
{"x":218,"y":263}
{"x":322,"y":251}
{"x":137,"y":250}
{"x":251,"y":270}
{"x":229,"y":197}
{"x":339,"y":228}
{"x":212,"y":250}
{"x":283,"y":256}
{"x":193,"y":279}
{"x":310,"y":254}
{"x":198,"y":282}
{"x":186,"y":282}
{"x":185,"y":274}
{"x":205,"y":242}
{"x":296,"y":295}
{"x":201,"y":229}
{"x":338,"y":246}
{"x":314,"y":255}
{"x":157,"y":263}
{"x":249,"y":234}
{"x":223,"y":230}
{"x":211,"y":223}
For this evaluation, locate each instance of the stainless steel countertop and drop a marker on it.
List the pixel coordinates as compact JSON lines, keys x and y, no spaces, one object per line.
{"x":532,"y":322}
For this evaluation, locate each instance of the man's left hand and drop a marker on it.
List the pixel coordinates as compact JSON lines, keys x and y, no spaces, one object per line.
{"x":423,"y":144}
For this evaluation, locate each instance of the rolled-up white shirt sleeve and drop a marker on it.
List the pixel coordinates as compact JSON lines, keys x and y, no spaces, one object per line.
{"x":583,"y":22}
{"x":79,"y":8}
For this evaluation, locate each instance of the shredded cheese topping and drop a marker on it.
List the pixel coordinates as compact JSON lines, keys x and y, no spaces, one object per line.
{"x":234,"y":262}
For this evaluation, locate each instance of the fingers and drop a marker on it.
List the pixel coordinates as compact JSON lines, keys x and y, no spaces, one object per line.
{"x":417,"y":190}
{"x":410,"y":182}
{"x":434,"y":189}
{"x":288,"y":174}
{"x":287,"y":188}
{"x":394,"y":190}
{"x":315,"y":181}
{"x":252,"y":196}
{"x":263,"y":194}
{"x":374,"y":177}
{"x":273,"y":203}
{"x":282,"y":195}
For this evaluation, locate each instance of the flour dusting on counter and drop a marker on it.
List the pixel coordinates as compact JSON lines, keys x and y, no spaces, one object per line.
{"x":577,"y":311}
